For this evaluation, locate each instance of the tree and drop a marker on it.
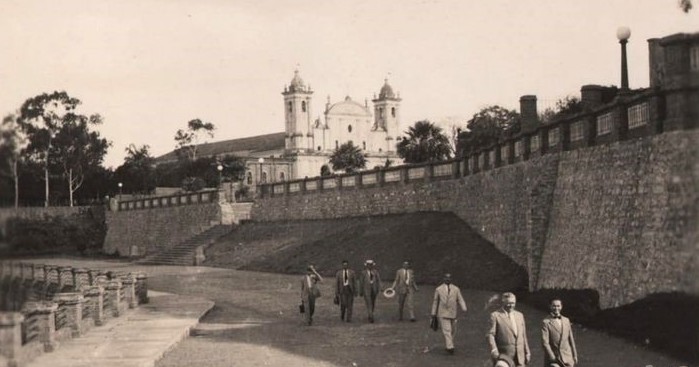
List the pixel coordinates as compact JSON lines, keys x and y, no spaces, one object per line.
{"x":686,"y":5}
{"x":487,"y":127}
{"x":137,"y":173}
{"x":188,"y":141}
{"x":41,"y":117}
{"x":348,"y":157}
{"x":424,"y":142}
{"x":13,"y":142}
{"x":567,"y":106}
{"x":76,"y":149}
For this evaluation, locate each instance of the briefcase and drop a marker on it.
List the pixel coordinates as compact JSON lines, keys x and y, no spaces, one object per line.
{"x":336,"y":300}
{"x":302,"y":309}
{"x":434,"y":323}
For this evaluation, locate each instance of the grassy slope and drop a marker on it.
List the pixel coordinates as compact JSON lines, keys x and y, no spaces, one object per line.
{"x":436,"y":243}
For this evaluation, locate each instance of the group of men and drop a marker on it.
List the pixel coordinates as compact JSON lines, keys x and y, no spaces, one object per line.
{"x":506,"y":335}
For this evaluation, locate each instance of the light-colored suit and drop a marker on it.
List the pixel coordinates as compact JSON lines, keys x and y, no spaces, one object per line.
{"x":447,"y":299}
{"x":369,"y":288}
{"x":346,"y":292}
{"x":558,"y":342}
{"x":309,"y":293}
{"x":501,"y":336}
{"x":404,"y":285}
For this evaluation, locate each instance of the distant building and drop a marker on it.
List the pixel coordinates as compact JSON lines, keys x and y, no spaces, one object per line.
{"x":307,"y":142}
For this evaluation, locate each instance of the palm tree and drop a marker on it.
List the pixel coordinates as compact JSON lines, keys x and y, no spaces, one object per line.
{"x":424,"y":142}
{"x":348,"y":157}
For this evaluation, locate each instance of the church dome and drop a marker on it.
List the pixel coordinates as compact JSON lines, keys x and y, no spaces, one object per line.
{"x":386,"y":91}
{"x":297,"y":84}
{"x":348,"y":107}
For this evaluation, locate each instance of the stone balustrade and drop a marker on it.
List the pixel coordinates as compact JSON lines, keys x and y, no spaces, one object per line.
{"x":44,"y":305}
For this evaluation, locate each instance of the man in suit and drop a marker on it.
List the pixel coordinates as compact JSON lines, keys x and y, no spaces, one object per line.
{"x":447,"y":298}
{"x":507,"y":334}
{"x":345,"y":290}
{"x":309,"y":292}
{"x":404,"y":285}
{"x":557,"y":338}
{"x":369,"y":287}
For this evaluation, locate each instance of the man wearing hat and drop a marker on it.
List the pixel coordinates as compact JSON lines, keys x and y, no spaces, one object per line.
{"x":447,"y":298}
{"x":404,"y":285}
{"x":369,"y":286}
{"x":557,"y":338}
{"x":309,"y":292}
{"x":507,"y":335}
{"x":345,"y":290}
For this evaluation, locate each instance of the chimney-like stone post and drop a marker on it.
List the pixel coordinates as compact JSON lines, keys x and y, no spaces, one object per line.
{"x":528,"y":112}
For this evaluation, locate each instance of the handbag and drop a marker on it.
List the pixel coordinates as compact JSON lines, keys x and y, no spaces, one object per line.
{"x":302,"y":309}
{"x":434,"y":323}
{"x":336,"y":300}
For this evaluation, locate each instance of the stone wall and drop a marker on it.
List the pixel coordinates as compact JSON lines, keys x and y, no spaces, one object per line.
{"x":624,"y":219}
{"x":142,"y":232}
{"x":620,"y":218}
{"x":37,"y":213}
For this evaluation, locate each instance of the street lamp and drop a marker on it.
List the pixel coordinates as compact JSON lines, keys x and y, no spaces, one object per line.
{"x":120,"y":186}
{"x":220,"y":171}
{"x":623,"y":34}
{"x":260,"y":161}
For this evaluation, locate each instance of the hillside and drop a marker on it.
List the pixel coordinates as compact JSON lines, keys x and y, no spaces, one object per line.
{"x":435,"y":242}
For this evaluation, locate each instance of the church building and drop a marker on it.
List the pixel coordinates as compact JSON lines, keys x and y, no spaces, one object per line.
{"x":307,"y":142}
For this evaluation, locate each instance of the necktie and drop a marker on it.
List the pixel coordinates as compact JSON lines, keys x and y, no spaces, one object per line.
{"x":371,"y":277}
{"x":345,"y":277}
{"x":448,"y":289}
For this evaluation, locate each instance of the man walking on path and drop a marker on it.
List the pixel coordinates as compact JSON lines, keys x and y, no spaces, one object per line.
{"x":345,"y":290}
{"x":404,"y":285}
{"x":507,"y":335}
{"x":557,"y":338}
{"x":369,"y":287}
{"x":309,"y":292}
{"x":444,"y":305}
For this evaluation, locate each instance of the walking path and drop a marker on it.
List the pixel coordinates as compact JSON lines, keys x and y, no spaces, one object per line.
{"x":137,"y":339}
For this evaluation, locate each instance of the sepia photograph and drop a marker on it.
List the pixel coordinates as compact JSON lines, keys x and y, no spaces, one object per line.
{"x":359,"y":183}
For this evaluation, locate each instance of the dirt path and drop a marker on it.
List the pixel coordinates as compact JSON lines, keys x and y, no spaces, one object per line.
{"x":256,"y":323}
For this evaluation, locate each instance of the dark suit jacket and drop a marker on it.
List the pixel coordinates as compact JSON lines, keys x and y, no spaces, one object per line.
{"x":558,"y":342}
{"x":340,"y":281}
{"x":399,"y":283}
{"x":501,"y":335}
{"x":365,"y":287}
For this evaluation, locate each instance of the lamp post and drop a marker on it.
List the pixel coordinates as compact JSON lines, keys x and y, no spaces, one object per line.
{"x":219,"y":167}
{"x":120,"y":186}
{"x":623,"y":34}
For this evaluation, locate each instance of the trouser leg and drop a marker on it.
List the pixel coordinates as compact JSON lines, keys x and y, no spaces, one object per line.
{"x":409,"y":305}
{"x":401,"y":305}
{"x":448,"y":326}
{"x":369,"y":307}
{"x":349,"y":305}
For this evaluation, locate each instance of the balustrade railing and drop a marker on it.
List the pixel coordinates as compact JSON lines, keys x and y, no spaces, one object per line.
{"x":200,"y":197}
{"x":625,"y":118}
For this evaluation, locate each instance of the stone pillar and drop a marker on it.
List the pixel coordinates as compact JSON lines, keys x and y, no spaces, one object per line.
{"x":11,"y":336}
{"x":27,"y":271}
{"x":51,"y":274}
{"x":45,"y":312}
{"x":142,"y":287}
{"x":129,"y":282}
{"x":95,"y":296}
{"x":39,"y":272}
{"x":528,"y":113}
{"x":199,"y":256}
{"x":113,"y":296}
{"x":65,"y":277}
{"x":93,"y":276}
{"x":81,"y":279}
{"x":73,"y":303}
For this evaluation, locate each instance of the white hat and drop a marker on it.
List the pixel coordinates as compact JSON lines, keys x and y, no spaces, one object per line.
{"x":369,"y":262}
{"x":389,"y":293}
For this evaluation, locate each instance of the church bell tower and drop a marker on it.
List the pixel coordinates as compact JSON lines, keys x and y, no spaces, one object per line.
{"x":297,"y":113}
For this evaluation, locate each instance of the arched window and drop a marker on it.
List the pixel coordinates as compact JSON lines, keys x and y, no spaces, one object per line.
{"x":281,"y":176}
{"x":264,"y":177}
{"x":380,"y":112}
{"x":349,"y":128}
{"x":364,"y":145}
{"x":319,"y":148}
{"x":249,"y":178}
{"x":337,"y":144}
{"x":303,"y":106}
{"x":393,"y":112}
{"x":291,"y":107}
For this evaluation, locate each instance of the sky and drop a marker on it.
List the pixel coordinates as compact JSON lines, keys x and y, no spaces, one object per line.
{"x":149,"y":66}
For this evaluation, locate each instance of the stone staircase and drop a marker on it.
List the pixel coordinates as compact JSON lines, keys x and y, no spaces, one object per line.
{"x":184,"y":253}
